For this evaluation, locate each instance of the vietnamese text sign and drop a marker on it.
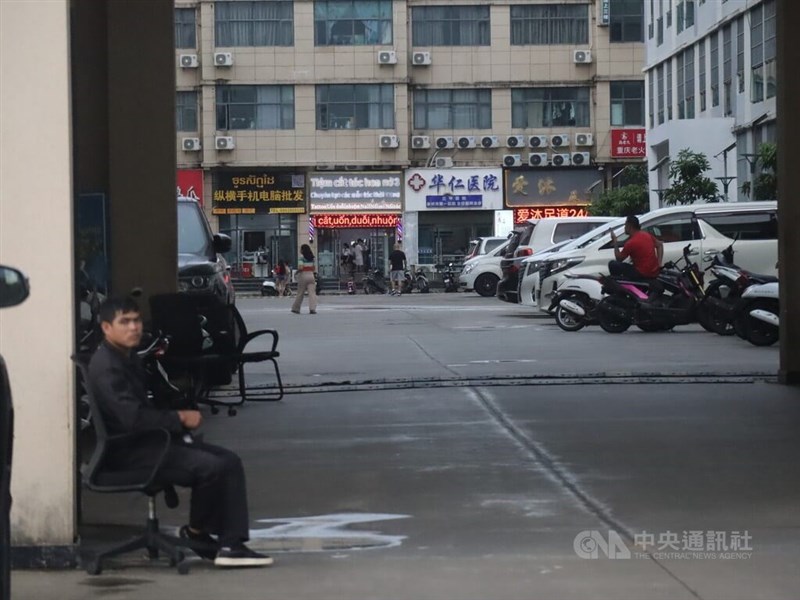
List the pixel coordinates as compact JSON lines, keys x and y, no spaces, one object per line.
{"x":459,"y":188}
{"x":355,"y":221}
{"x":541,"y":212}
{"x":190,"y":184}
{"x":550,"y":187}
{"x":628,"y":143}
{"x":359,"y":192}
{"x":252,"y":192}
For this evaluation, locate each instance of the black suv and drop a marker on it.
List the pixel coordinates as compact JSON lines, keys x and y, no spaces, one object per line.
{"x":201,"y":267}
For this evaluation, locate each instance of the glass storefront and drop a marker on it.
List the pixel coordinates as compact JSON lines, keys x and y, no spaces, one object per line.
{"x":444,"y":236}
{"x":259,"y":242}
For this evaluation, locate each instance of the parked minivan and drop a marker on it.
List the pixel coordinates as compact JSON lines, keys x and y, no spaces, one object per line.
{"x":484,"y":245}
{"x":709,"y":228}
{"x":535,"y":235}
{"x":481,"y":273}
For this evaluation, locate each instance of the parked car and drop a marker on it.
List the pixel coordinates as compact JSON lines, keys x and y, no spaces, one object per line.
{"x":710,"y":228}
{"x":201,"y":267}
{"x":484,"y":245}
{"x":535,"y":235}
{"x":13,"y":290}
{"x":481,"y":273}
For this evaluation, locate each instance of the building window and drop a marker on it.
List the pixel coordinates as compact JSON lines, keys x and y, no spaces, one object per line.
{"x":185,"y":28}
{"x":352,"y":23}
{"x":365,"y":106}
{"x":545,"y":24}
{"x":688,"y":83}
{"x":627,"y":103}
{"x":255,"y":107}
{"x":651,"y":24}
{"x":688,"y":14}
{"x":763,"y":51}
{"x":715,"y":38}
{"x":701,"y":47}
{"x":669,"y":89}
{"x":681,"y":84}
{"x":452,"y":109}
{"x":186,"y":111}
{"x":661,"y":93}
{"x":651,"y":109}
{"x":727,"y":70}
{"x":450,"y":26}
{"x":679,"y":17}
{"x":550,"y":107}
{"x":740,"y":55}
{"x":626,"y":21}
{"x":257,"y":23}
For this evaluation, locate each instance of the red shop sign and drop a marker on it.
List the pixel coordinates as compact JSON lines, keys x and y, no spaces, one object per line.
{"x":355,"y":221}
{"x":540,"y":212}
{"x":190,"y":184}
{"x":628,"y":143}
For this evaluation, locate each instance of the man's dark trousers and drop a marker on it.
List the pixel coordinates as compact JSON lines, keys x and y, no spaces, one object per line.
{"x":618,"y":268}
{"x":219,"y":497}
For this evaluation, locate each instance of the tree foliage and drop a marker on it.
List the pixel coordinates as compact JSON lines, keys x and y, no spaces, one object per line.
{"x":688,"y":184}
{"x":629,"y":199}
{"x":765,"y":185}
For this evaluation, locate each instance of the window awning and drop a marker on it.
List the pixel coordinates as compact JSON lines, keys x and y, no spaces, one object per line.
{"x":659,"y":163}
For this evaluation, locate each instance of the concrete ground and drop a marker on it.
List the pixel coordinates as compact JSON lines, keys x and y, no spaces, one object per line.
{"x":471,"y":450}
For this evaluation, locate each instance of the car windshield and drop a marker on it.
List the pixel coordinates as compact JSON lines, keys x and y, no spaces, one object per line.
{"x":193,"y":238}
{"x":595,"y":234}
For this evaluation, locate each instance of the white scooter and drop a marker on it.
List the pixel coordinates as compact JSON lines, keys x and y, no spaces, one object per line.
{"x":757,"y":315}
{"x":575,"y":302}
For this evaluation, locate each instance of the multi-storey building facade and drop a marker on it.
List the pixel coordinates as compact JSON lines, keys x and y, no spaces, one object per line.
{"x":711,"y":86}
{"x":307,"y":117}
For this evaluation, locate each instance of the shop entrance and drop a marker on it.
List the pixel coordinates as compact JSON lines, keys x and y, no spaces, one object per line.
{"x":444,"y":236}
{"x":378,"y":243}
{"x":259,"y":242}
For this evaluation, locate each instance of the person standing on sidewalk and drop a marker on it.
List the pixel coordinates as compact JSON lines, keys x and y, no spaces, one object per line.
{"x":397,"y":262}
{"x":306,"y":281}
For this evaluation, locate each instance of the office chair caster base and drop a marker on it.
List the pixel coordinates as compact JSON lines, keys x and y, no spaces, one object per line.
{"x":232,"y":412}
{"x":94,"y":567}
{"x":183,"y":567}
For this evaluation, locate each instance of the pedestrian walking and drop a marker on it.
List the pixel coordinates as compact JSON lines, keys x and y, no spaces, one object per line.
{"x":306,"y":281}
{"x":358,"y":256}
{"x":281,"y":276}
{"x":397,"y":260}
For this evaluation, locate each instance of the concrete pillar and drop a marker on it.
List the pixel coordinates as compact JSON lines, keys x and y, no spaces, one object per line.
{"x":788,"y":190}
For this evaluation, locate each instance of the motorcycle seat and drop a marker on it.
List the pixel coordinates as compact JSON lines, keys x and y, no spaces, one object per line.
{"x":757,"y":278}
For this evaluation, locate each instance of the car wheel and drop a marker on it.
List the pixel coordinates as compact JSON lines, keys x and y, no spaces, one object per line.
{"x":486,"y":284}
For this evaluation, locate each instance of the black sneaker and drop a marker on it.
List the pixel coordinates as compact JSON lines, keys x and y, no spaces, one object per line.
{"x":241,"y":556}
{"x":203,"y":539}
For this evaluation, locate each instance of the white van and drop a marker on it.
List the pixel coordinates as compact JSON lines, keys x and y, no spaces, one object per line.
{"x":481,"y":273}
{"x":535,"y":235}
{"x":709,"y":228}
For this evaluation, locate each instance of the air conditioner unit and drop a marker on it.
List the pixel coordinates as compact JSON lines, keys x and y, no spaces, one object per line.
{"x":445,"y":142}
{"x":191,"y":144}
{"x":582,"y":57}
{"x":584,"y":139}
{"x":581,"y":159}
{"x":537,"y":141}
{"x":223,"y":59}
{"x":387,"y":57}
{"x":538,"y":159}
{"x":443,"y":162}
{"x":421,"y":59}
{"x":490,"y":141}
{"x":559,"y":140}
{"x":515,"y":141}
{"x":224,"y":142}
{"x":467,"y":141}
{"x":388,"y":141}
{"x":512,"y":160}
{"x":420,"y":142}
{"x":560,"y":160}
{"x":189,"y":61}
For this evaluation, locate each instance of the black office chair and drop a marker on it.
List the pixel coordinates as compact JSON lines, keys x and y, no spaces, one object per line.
{"x":99,"y":477}
{"x":179,"y":317}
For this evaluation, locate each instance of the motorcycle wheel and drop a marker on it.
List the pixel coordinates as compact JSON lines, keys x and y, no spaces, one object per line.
{"x":712,"y":319}
{"x":758,"y":332}
{"x":368,"y":289}
{"x":611,"y":323}
{"x":568,"y":321}
{"x":423,"y":287}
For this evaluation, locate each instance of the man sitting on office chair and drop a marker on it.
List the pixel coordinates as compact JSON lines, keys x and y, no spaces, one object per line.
{"x":216,"y":475}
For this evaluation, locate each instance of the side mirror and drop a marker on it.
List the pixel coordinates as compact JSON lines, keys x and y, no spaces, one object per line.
{"x":222,"y":243}
{"x":13,"y":287}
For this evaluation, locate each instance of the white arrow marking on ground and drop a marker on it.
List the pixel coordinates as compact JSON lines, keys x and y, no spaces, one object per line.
{"x":328,"y":527}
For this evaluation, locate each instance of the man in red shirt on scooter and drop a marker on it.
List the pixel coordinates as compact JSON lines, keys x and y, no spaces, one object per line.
{"x":644,"y":250}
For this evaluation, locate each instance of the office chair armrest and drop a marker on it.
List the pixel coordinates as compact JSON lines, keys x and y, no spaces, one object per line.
{"x":254,"y":334}
{"x":126,"y":438}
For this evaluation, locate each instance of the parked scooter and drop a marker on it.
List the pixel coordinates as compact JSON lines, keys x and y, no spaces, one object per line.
{"x":418,"y":281}
{"x":449,"y":278}
{"x":375,"y":283}
{"x":574,"y":304}
{"x":757,"y":314}
{"x":634,"y":303}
